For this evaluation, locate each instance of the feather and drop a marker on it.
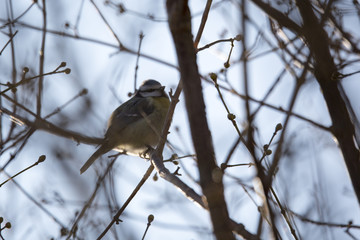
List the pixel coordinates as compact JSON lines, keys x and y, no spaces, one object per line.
{"x":136,"y":124}
{"x":102,"y":150}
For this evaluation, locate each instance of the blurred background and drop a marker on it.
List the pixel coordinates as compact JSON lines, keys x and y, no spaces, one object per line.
{"x":45,"y":201}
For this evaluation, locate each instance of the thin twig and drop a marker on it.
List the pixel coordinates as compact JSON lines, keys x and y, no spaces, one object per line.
{"x":87,"y":39}
{"x":285,"y":214}
{"x":24,"y":139}
{"x":107,"y":24}
{"x":278,"y":151}
{"x":213,"y":43}
{"x":132,"y":195}
{"x":58,"y":109}
{"x":279,"y":109}
{"x":77,"y":22}
{"x":7,"y":43}
{"x":322,"y":223}
{"x":42,"y":61}
{"x":150,"y":219}
{"x":141,"y":37}
{"x":21,"y":15}
{"x":40,"y":160}
{"x":231,"y":117}
{"x":89,"y":202}
{"x":37,"y":203}
{"x":26,"y":80}
{"x":10,"y":14}
{"x":203,"y":22}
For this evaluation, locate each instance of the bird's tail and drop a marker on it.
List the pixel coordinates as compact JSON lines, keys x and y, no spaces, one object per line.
{"x":102,"y":150}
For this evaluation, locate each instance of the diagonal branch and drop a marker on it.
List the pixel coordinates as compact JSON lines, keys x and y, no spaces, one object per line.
{"x":203,"y":22}
{"x":107,"y":24}
{"x":278,"y":16}
{"x":324,"y":71}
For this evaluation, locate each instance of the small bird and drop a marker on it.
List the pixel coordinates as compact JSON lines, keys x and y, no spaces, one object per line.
{"x":135,"y":126}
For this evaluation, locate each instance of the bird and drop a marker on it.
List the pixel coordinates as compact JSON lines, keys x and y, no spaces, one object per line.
{"x":135,"y":126}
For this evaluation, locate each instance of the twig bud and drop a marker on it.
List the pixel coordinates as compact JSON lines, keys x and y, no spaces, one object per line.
{"x":8,"y":225}
{"x":213,"y":77}
{"x":155,"y":177}
{"x":150,"y":218}
{"x":41,"y":158}
{"x":238,"y":37}
{"x":84,"y":92}
{"x":231,"y":116}
{"x":268,"y":152}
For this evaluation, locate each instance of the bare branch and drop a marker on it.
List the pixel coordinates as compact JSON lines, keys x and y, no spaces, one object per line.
{"x":210,"y":174}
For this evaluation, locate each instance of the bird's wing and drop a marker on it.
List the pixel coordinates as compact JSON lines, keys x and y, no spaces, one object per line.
{"x":129,"y":112}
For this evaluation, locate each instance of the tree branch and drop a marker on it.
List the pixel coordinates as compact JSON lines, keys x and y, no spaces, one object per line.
{"x":41,"y":124}
{"x":278,"y":16}
{"x":210,"y":174}
{"x":325,"y":70}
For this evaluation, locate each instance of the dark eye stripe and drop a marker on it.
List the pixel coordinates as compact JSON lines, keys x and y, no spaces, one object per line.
{"x":149,"y":90}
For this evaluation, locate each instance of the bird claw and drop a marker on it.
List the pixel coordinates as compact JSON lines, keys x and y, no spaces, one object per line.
{"x":146,"y":153}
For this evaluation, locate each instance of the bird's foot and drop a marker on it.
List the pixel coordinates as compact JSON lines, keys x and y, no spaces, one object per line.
{"x":146,"y":153}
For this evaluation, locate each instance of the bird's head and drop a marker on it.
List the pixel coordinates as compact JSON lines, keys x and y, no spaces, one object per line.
{"x":151,"y":88}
